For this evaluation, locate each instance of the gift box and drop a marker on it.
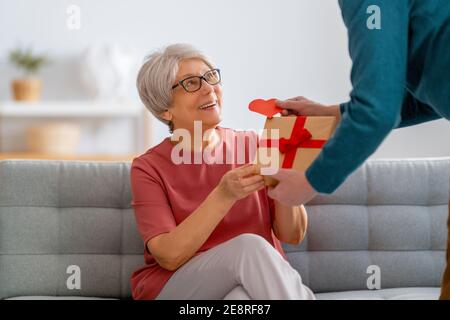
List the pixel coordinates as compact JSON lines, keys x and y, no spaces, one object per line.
{"x":292,"y":142}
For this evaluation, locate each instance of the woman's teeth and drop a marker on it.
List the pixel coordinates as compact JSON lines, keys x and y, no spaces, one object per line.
{"x":208,"y":106}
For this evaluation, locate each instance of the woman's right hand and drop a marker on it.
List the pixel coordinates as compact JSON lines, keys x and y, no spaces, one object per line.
{"x":301,"y":106}
{"x":238,"y":183}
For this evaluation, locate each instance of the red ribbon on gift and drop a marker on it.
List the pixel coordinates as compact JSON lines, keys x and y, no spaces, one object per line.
{"x":300,"y":138}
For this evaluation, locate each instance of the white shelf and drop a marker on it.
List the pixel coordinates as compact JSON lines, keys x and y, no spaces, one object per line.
{"x":101,"y":112}
{"x":69,"y":109}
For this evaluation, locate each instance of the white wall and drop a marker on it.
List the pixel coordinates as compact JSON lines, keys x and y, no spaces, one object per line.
{"x":265,"y":48}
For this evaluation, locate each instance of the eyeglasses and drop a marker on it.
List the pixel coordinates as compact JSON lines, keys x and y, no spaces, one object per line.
{"x":194,"y":83}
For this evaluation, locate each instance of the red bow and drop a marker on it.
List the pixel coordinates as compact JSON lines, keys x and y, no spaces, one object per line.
{"x":300,"y":138}
{"x":294,"y":141}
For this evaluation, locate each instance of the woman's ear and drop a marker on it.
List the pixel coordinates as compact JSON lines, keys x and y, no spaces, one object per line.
{"x":166,"y":115}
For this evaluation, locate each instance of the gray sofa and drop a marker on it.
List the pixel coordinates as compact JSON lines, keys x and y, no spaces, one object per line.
{"x":390,"y":214}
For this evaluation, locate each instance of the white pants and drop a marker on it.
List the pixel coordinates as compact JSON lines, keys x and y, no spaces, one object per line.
{"x":243,"y":268}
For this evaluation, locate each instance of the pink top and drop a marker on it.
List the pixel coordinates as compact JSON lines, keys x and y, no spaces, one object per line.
{"x":164,"y":194}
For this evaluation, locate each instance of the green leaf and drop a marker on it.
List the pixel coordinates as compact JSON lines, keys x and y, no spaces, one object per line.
{"x":26,"y":60}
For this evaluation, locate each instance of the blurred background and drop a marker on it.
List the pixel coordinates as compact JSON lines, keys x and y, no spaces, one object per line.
{"x":68,"y":70}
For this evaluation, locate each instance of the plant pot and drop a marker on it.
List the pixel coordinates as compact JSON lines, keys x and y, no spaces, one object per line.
{"x":60,"y":138}
{"x":28,"y":89}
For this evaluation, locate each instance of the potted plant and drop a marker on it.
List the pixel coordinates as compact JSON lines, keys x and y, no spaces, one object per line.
{"x":28,"y":87}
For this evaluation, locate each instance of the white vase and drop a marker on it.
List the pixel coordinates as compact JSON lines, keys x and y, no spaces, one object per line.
{"x":109,"y":71}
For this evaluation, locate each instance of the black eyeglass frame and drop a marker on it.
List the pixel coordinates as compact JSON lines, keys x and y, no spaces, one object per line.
{"x":180,"y":83}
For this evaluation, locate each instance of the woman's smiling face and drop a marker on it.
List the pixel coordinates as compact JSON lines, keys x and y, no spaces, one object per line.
{"x":203,"y":105}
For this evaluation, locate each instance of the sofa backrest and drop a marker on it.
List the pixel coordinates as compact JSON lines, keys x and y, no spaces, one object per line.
{"x":55,"y":215}
{"x":58,"y":214}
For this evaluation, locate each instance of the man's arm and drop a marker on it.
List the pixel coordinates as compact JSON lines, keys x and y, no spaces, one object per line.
{"x":378,"y":77}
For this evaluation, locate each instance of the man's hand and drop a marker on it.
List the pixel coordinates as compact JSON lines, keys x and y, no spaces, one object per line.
{"x":293,"y":188}
{"x":301,"y":106}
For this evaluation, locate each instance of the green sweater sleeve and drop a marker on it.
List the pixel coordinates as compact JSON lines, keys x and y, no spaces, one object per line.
{"x":415,"y":111}
{"x":378,"y":78}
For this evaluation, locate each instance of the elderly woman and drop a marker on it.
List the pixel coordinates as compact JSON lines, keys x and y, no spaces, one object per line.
{"x":209,"y":229}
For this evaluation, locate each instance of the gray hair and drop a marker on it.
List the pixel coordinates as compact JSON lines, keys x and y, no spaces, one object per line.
{"x":157,"y":74}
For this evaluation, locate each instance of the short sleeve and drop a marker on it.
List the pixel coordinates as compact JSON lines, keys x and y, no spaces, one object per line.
{"x":152,"y":209}
{"x":271,"y":208}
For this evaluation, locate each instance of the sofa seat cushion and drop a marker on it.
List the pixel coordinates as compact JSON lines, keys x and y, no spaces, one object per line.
{"x":383,"y":294}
